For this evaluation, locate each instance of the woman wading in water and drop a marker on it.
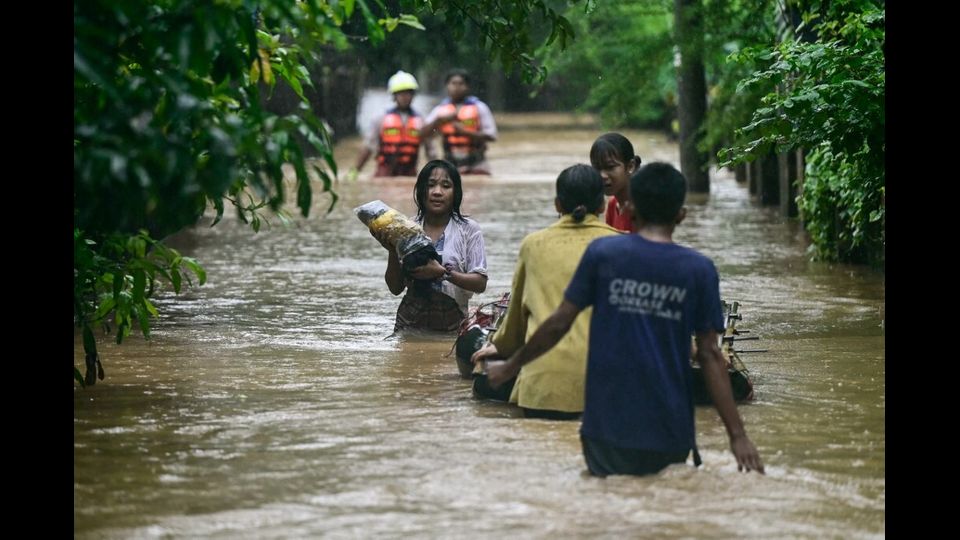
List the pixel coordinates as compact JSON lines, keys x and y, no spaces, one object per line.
{"x":439,"y":302}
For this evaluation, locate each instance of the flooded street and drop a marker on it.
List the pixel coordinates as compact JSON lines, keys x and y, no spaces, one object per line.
{"x":269,"y":403}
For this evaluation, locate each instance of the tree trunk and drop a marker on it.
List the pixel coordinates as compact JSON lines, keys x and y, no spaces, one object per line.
{"x":768,"y":185}
{"x":340,"y":86}
{"x":495,"y":89}
{"x":692,"y":93}
{"x":740,"y":173}
{"x":788,"y":183}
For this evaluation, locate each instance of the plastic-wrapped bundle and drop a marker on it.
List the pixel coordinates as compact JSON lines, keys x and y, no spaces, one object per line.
{"x":412,"y":245}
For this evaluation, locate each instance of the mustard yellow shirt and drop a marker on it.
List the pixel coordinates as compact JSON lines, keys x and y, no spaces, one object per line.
{"x":547,"y":261}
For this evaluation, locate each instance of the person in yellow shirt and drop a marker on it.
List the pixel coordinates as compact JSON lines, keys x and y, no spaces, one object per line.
{"x":552,"y":387}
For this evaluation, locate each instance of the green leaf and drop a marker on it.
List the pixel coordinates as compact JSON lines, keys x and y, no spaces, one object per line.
{"x":139,"y":247}
{"x":105,"y":307}
{"x":151,"y":308}
{"x":195,"y":267}
{"x":264,"y":38}
{"x":78,"y":377}
{"x":390,"y":23}
{"x":218,"y":205}
{"x":327,"y":184}
{"x":139,"y":285}
{"x":412,"y":21}
{"x":142,"y":319}
{"x":123,"y":330}
{"x":175,"y":280}
{"x":296,"y":86}
{"x":328,"y":157}
{"x":854,"y":82}
{"x":374,"y":31}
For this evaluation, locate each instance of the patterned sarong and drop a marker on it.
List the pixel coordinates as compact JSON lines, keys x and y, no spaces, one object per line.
{"x":430,"y":311}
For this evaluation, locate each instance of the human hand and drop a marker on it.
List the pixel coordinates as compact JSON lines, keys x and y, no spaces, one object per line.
{"x":487,"y":351}
{"x":500,"y":372}
{"x":746,"y":453}
{"x":431,"y":270}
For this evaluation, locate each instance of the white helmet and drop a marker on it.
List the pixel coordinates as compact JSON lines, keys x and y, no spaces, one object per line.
{"x":401,"y":81}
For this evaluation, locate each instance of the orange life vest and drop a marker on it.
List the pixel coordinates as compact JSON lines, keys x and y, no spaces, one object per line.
{"x":399,"y":142}
{"x":460,"y":149}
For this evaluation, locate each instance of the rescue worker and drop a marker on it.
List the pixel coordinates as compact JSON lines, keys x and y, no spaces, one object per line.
{"x":396,"y":136}
{"x":466,"y":125}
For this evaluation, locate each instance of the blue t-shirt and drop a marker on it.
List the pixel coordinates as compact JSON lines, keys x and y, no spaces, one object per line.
{"x":648,"y":298}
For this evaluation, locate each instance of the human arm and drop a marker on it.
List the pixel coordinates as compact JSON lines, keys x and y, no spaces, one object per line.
{"x":512,"y":328}
{"x":487,"y":352}
{"x":429,"y":150}
{"x":488,"y":130}
{"x":547,"y":335}
{"x":433,"y":121}
{"x":466,"y":259}
{"x":361,"y":161}
{"x":714,"y":368}
{"x":428,"y":133}
{"x":470,"y":281}
{"x":458,"y":129}
{"x":394,"y":274}
{"x":488,"y":126}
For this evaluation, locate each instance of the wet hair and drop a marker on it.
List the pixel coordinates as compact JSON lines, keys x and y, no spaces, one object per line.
{"x":657,"y":191}
{"x":579,"y":191}
{"x":423,"y":179}
{"x":612,"y":145}
{"x":457,"y":72}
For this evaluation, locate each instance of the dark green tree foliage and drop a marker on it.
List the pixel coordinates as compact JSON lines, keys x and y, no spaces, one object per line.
{"x":471,"y":34}
{"x":167,"y":120}
{"x":452,"y":38}
{"x":118,"y":277}
{"x":506,"y":31}
{"x":430,"y":52}
{"x":732,"y":26}
{"x":828,"y":98}
{"x":621,"y":61}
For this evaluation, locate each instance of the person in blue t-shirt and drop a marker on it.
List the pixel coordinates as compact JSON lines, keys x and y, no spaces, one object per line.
{"x":648,"y":296}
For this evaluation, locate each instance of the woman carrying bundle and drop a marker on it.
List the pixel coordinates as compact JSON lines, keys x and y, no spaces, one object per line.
{"x":439,"y":299}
